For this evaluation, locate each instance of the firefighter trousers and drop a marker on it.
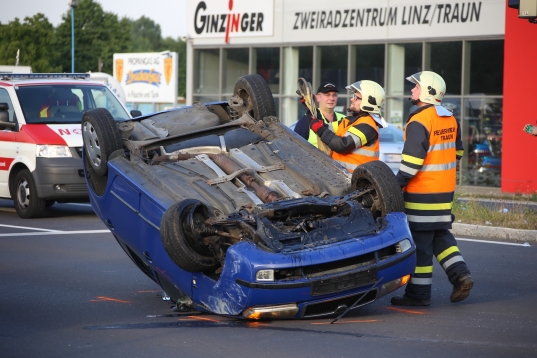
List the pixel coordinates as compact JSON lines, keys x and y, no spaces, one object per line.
{"x":441,"y":244}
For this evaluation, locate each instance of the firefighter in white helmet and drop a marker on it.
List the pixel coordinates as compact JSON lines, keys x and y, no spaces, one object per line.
{"x":427,"y":175}
{"x":356,"y":140}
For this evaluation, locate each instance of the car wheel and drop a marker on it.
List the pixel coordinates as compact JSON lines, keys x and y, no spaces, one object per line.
{"x":178,"y":228}
{"x":256,"y":95}
{"x":386,"y":196}
{"x":27,"y":203}
{"x":101,"y":138}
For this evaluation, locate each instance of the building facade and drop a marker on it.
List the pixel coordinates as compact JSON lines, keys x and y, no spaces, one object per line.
{"x":380,"y":40}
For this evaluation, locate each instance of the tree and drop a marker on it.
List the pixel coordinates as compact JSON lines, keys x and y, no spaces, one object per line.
{"x":146,"y":35}
{"x":34,"y":38}
{"x":98,"y":35}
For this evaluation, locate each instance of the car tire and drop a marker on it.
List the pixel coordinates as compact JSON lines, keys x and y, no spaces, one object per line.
{"x":256,"y":95}
{"x":27,"y":203}
{"x":386,"y":196}
{"x":101,"y":138}
{"x":182,"y":247}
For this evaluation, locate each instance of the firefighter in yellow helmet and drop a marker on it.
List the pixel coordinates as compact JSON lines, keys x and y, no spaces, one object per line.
{"x":356,"y":140}
{"x":427,"y":176}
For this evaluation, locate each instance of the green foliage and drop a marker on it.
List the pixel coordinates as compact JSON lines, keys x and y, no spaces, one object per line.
{"x":146,"y":36}
{"x":98,"y":35}
{"x":34,"y":37}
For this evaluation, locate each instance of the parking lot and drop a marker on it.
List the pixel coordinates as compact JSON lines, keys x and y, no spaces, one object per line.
{"x":68,"y":289}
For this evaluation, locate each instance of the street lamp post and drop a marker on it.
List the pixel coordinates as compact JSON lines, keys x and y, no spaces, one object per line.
{"x":73,"y":4}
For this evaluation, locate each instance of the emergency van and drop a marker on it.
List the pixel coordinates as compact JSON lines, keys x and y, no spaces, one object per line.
{"x":41,"y":138}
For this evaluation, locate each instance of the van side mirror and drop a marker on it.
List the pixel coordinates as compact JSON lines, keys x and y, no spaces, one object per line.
{"x":4,"y":117}
{"x":136,"y":113}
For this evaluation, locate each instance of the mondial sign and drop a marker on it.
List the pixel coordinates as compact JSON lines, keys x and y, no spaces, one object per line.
{"x":230,"y":18}
{"x":147,"y":77}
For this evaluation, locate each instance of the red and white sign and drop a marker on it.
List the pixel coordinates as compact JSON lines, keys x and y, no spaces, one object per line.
{"x":231,"y":18}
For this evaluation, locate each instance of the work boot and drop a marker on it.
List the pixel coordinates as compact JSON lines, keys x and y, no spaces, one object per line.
{"x":407,"y":301}
{"x":462,"y":288}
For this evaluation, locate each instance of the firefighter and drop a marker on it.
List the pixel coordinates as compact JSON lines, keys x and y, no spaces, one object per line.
{"x":327,"y":98}
{"x":356,"y":140}
{"x":427,"y":173}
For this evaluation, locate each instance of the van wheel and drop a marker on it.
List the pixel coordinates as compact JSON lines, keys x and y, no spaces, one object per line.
{"x":256,"y":95}
{"x":27,"y":203}
{"x":386,"y":196}
{"x":101,"y":138}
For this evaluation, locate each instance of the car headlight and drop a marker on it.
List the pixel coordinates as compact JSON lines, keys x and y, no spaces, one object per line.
{"x":403,"y":245}
{"x":53,"y":151}
{"x":265,"y":275}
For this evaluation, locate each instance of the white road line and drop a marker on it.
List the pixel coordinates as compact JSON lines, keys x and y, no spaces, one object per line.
{"x":494,"y":242}
{"x":56,"y":233}
{"x":27,"y":228}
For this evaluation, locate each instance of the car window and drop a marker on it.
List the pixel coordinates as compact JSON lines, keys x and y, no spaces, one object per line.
{"x":391,"y":134}
{"x":66,"y":103}
{"x":4,"y":98}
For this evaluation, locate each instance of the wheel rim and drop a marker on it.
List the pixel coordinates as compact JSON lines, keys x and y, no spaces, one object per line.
{"x":23,"y":194}
{"x":247,"y":102}
{"x":91,"y":142}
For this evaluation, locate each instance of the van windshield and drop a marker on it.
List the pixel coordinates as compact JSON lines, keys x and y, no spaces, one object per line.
{"x":66,"y":103}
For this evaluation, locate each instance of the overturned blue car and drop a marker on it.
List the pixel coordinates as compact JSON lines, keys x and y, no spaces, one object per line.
{"x":232,"y":213}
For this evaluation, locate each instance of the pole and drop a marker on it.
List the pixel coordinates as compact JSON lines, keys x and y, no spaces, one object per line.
{"x":72,"y":39}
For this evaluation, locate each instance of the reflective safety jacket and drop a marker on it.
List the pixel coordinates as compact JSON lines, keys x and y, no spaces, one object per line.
{"x":367,"y":152}
{"x":312,"y":137}
{"x":428,"y":167}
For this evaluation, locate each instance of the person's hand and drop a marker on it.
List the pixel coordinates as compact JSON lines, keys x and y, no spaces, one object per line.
{"x":528,"y":128}
{"x":317,"y":125}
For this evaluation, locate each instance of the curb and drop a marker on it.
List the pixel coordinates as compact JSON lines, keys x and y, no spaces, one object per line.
{"x":493,"y":232}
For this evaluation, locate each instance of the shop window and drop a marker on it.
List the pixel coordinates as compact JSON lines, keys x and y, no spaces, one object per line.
{"x":206,"y":71}
{"x":445,"y":58}
{"x":305,"y":63}
{"x":482,"y":140}
{"x":206,"y":99}
{"x":333,"y":66}
{"x":403,"y":60}
{"x":368,"y":63}
{"x":268,"y":66}
{"x":235,"y":65}
{"x":486,"y":67}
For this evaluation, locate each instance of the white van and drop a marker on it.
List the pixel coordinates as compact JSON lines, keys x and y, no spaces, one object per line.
{"x":41,"y":138}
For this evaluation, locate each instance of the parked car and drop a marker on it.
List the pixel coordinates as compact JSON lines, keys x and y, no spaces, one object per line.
{"x":230,"y":212}
{"x":391,"y":145}
{"x":40,"y":138}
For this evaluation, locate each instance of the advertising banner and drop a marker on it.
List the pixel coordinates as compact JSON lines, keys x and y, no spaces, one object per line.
{"x":230,"y":18}
{"x":147,"y":77}
{"x":393,"y":19}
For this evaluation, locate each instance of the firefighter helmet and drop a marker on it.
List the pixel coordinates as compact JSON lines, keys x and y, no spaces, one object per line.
{"x":372,"y":95}
{"x":433,"y":87}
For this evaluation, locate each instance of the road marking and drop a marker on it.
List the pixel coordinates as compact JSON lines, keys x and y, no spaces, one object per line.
{"x":26,"y":228}
{"x":57,"y":233}
{"x":494,"y":242}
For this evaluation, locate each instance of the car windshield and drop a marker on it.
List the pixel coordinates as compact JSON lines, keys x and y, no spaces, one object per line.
{"x":66,"y":103}
{"x":391,"y":134}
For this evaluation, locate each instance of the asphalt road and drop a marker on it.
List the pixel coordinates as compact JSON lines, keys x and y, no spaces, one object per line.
{"x":73,"y":292}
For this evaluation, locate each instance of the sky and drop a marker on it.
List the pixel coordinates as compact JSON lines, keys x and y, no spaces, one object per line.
{"x":169,"y":14}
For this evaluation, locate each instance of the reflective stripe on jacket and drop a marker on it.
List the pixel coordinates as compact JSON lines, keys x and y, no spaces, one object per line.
{"x":312,"y":137}
{"x":366,"y":153}
{"x":429,"y":193}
